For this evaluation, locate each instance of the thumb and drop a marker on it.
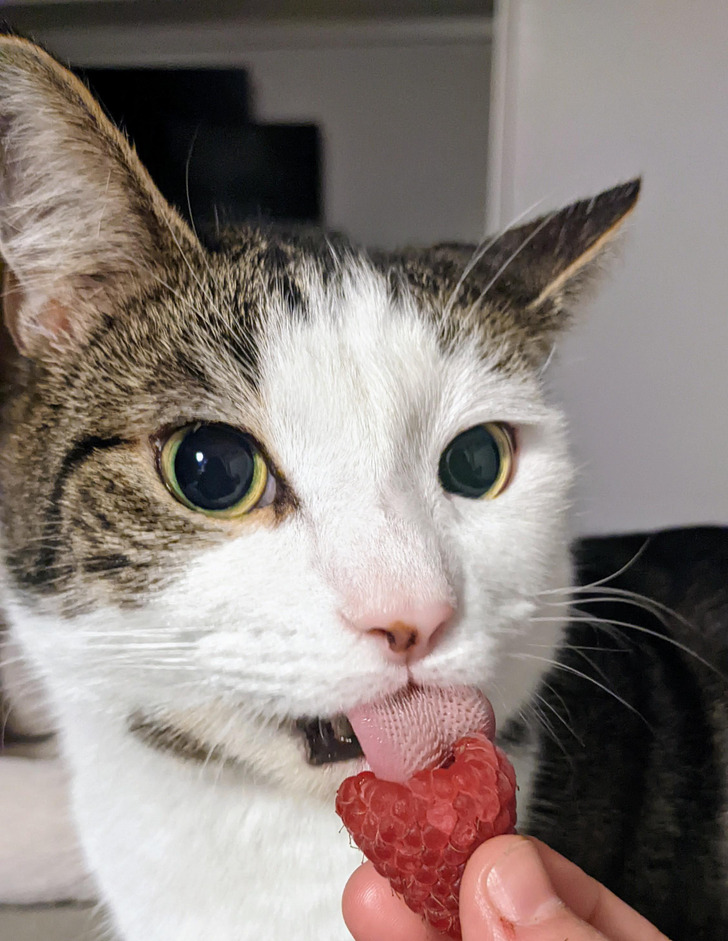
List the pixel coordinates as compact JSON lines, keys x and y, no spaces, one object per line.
{"x":507,"y":893}
{"x":522,"y":890}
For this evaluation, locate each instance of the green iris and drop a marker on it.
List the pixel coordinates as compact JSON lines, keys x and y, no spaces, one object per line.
{"x":478,"y":462}
{"x":215,"y":469}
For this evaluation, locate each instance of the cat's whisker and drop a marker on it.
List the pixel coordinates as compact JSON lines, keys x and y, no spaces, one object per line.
{"x":150,"y":662}
{"x":607,"y":596}
{"x":156,"y":663}
{"x":649,"y":604}
{"x":140,"y":648}
{"x":545,"y":703}
{"x":579,"y":647}
{"x":100,"y":640}
{"x":543,"y":369}
{"x":12,"y":661}
{"x":587,"y":659}
{"x":335,"y":256}
{"x":143,"y":647}
{"x":210,"y":338}
{"x":598,"y":583}
{"x":607,"y":578}
{"x":641,"y":629}
{"x":479,"y":251}
{"x":623,"y":596}
{"x":495,"y":693}
{"x":590,"y":679}
{"x":187,"y":181}
{"x":191,"y":268}
{"x":504,"y":267}
{"x":545,"y":684}
{"x":535,"y":713}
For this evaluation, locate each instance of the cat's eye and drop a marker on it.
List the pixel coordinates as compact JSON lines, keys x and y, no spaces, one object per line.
{"x":479,"y":462}
{"x":215,"y":469}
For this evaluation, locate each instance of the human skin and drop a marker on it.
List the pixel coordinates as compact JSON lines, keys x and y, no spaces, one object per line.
{"x":513,"y":889}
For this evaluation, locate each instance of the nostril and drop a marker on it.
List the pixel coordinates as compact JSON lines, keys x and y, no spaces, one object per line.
{"x":400,"y":637}
{"x":411,"y":632}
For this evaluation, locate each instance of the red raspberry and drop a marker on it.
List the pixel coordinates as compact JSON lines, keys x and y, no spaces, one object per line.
{"x":420,"y":834}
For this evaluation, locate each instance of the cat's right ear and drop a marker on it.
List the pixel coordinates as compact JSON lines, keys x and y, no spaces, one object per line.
{"x":81,"y":223}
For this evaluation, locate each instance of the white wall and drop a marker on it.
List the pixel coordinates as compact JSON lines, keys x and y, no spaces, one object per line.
{"x":406,"y":150}
{"x":588,"y":94}
{"x":403,"y":106}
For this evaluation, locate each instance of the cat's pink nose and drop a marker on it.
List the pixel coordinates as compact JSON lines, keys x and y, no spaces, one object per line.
{"x":408,"y":633}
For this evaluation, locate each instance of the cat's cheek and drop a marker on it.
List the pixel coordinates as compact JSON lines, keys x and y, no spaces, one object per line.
{"x":513,"y":555}
{"x":270,"y":630}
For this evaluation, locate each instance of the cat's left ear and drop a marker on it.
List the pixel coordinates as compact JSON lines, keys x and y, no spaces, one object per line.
{"x":525,"y":281}
{"x":81,"y":223}
{"x":547,"y":263}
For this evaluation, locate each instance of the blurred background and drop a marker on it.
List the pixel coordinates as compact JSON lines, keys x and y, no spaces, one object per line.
{"x":425,"y":120}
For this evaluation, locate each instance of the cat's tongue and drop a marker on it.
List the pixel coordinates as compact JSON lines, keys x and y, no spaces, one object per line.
{"x":416,"y":728}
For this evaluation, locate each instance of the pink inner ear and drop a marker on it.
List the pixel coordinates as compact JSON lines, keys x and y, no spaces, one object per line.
{"x":50,"y":322}
{"x":54,"y":320}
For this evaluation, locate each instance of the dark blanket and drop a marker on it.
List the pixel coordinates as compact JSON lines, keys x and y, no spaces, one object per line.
{"x":634,"y":748}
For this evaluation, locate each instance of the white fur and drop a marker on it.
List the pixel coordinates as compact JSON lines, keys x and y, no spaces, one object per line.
{"x":359,"y":402}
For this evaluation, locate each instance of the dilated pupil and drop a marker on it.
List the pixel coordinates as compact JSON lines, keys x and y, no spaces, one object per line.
{"x":214,"y":467}
{"x":470,"y":464}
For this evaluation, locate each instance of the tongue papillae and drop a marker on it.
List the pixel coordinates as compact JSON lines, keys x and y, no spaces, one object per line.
{"x":416,"y":728}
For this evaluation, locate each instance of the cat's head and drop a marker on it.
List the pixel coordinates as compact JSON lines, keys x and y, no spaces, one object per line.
{"x":276,"y":479}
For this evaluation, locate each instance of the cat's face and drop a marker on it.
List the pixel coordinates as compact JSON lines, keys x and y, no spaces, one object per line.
{"x":366,"y":545}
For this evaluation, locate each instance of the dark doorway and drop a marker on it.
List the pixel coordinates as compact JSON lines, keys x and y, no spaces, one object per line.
{"x":195,"y":132}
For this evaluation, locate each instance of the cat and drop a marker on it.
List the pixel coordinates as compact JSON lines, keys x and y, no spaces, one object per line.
{"x":247,"y":486}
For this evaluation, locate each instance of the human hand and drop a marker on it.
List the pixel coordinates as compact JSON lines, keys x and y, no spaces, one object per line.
{"x":513,"y":889}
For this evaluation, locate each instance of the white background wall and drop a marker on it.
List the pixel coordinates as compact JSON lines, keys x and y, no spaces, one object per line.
{"x":588,"y":94}
{"x":403,"y":106}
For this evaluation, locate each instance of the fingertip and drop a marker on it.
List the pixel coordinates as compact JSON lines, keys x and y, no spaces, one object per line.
{"x":486,"y":856}
{"x":505,"y":882}
{"x":517,"y":887}
{"x":477,"y":915}
{"x":361,"y":901}
{"x":373,"y":912}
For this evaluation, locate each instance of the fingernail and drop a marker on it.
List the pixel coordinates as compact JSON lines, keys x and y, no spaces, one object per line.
{"x":519,"y":888}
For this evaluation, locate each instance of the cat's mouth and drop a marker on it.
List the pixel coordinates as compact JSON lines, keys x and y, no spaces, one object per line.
{"x":329,"y":740}
{"x":400,"y":733}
